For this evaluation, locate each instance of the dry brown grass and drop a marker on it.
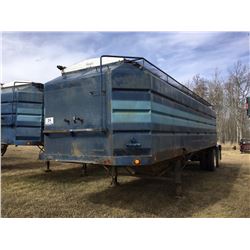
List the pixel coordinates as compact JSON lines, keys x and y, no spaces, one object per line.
{"x":229,"y":146}
{"x":27,"y":191}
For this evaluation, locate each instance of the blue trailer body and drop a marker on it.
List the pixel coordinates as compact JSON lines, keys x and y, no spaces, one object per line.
{"x":22,"y":114}
{"x":128,"y":110}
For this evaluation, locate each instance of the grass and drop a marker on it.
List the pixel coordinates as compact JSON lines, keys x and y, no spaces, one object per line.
{"x":27,"y":191}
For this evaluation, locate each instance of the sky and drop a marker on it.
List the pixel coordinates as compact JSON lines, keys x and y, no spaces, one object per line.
{"x":34,"y":55}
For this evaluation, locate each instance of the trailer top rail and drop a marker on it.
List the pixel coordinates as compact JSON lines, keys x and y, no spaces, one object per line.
{"x":141,"y":62}
{"x":19,"y":83}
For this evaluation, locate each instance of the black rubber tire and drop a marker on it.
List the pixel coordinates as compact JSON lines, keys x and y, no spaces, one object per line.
{"x":3,"y":149}
{"x":207,"y":160}
{"x":210,"y":160}
{"x":217,"y":160}
{"x":203,"y":160}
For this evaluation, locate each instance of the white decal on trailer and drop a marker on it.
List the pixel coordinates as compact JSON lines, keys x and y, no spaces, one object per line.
{"x":49,"y":121}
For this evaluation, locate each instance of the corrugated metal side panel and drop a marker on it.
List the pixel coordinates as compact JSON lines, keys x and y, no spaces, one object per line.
{"x":130,"y":114}
{"x":161,"y":119}
{"x":29,"y":97}
{"x":23,"y":108}
{"x":22,"y":115}
{"x":170,"y":145}
{"x":179,"y":122}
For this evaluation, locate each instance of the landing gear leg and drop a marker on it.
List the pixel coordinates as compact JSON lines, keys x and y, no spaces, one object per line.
{"x":48,"y":166}
{"x":177,"y":178}
{"x":114,"y":174}
{"x":84,"y":169}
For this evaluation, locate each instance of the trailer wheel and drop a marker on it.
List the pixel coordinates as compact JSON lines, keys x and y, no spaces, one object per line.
{"x":207,"y":160}
{"x":210,"y":160}
{"x":3,"y":148}
{"x":217,"y":160}
{"x":203,"y":160}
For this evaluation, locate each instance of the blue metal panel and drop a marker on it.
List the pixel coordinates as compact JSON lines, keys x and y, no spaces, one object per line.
{"x":75,"y":105}
{"x":130,"y":112}
{"x":139,"y":111}
{"x":29,"y":120}
{"x":7,"y":135}
{"x":131,"y":117}
{"x":22,"y":114}
{"x":7,"y":120}
{"x":6,"y":108}
{"x":130,"y":105}
{"x":174,"y":112}
{"x":22,"y":96}
{"x":175,"y":120}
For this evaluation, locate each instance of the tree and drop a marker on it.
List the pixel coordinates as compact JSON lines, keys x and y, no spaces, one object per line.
{"x":200,"y":86}
{"x":228,"y":99}
{"x":215,"y":96}
{"x":237,"y":88}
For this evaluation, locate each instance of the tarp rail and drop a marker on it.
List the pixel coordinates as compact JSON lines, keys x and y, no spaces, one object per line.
{"x":158,"y":72}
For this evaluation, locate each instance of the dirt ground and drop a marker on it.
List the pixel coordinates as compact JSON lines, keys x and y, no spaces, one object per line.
{"x":27,"y":191}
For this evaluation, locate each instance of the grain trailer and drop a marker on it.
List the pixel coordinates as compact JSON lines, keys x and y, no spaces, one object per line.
{"x":121,"y":111}
{"x":21,"y":114}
